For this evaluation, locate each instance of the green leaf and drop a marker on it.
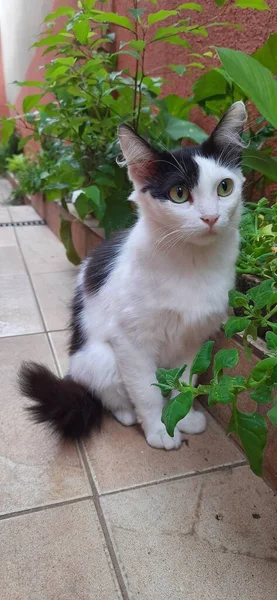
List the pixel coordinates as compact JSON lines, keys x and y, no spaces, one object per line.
{"x":257,"y":4}
{"x":138,"y":45}
{"x":66,"y":11}
{"x":220,"y":2}
{"x":254,"y":79}
{"x":267,"y":54}
{"x":237,"y":299}
{"x":222,"y":392}
{"x":225,"y":359}
{"x":261,"y":293}
{"x":170,"y":376}
{"x":160,"y":15}
{"x":110,"y":17}
{"x":202,"y":359}
{"x":190,"y":6}
{"x":89,"y":4}
{"x":30,"y":102}
{"x":262,"y":368}
{"x":30,"y":83}
{"x":136,"y":12}
{"x":165,"y":389}
{"x":271,"y":340}
{"x":81,"y":29}
{"x":95,"y":201}
{"x":7,"y":130}
{"x":176,"y":409}
{"x":261,"y":162}
{"x":213,"y":83}
{"x":52,"y":40}
{"x":252,"y":431}
{"x":272,"y":413}
{"x":178,"y":129}
{"x":66,"y":237}
{"x":176,"y":40}
{"x":235,"y":325}
{"x":262,"y":394}
{"x":82,"y":206}
{"x":179,"y":69}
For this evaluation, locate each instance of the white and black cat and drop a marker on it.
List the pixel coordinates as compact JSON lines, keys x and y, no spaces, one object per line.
{"x":152,"y":295}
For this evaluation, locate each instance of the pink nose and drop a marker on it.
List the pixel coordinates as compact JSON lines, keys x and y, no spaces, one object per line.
{"x":211,"y":220}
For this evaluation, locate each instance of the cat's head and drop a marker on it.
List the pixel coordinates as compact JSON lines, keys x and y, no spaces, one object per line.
{"x":196,"y":190}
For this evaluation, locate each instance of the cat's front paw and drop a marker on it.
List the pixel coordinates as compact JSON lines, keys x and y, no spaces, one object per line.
{"x":159,"y":438}
{"x":194,"y":422}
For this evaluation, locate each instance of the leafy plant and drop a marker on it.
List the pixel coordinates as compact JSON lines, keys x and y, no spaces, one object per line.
{"x":91,"y":97}
{"x":250,"y":428}
{"x":258,"y":252}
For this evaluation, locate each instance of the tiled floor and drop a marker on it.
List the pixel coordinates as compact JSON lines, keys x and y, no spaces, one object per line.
{"x":114,"y":518}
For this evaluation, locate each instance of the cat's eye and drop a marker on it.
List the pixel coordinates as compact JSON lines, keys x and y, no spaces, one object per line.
{"x":179,"y":194}
{"x":225,"y":187}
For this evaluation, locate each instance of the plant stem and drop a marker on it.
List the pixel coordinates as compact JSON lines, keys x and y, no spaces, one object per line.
{"x":136,"y":72}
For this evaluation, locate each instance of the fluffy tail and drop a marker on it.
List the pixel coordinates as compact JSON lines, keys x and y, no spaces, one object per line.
{"x":69,"y":408}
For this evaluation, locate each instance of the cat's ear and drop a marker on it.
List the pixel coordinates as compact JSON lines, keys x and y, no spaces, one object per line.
{"x":226,"y":137}
{"x":139,"y":157}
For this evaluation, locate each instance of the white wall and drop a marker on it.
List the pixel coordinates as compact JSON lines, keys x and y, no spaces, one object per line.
{"x":20,"y":23}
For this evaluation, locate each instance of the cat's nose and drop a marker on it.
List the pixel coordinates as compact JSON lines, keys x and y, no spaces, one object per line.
{"x":210,"y":220}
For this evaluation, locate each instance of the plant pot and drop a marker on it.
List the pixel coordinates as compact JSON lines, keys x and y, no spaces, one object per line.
{"x":85,"y":238}
{"x":222,"y":413}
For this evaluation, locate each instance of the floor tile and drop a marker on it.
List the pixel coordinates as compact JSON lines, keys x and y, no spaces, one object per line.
{"x":56,"y":554}
{"x":210,"y":537}
{"x":42,"y":250}
{"x":36,"y":468}
{"x":23,"y":213}
{"x":19,"y":313}
{"x":7,"y":237}
{"x":59,"y":341}
{"x":11,"y":262}
{"x":120,"y":457}
{"x":4,"y":215}
{"x":54,"y":292}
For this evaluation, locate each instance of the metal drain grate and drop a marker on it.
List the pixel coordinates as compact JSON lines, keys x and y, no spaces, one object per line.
{"x":23,"y":223}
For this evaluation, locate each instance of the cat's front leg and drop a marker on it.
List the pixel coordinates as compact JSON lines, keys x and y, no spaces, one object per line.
{"x":138,"y":373}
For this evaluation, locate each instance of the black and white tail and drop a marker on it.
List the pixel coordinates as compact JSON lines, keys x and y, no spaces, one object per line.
{"x":68,"y":407}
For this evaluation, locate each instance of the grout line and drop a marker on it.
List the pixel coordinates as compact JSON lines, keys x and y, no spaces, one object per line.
{"x":35,"y":509}
{"x":36,"y":300}
{"x":220,"y":468}
{"x":31,"y":281}
{"x":104,"y":526}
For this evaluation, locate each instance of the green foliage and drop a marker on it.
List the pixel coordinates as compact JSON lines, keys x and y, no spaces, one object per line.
{"x":250,"y":428}
{"x":258,"y":253}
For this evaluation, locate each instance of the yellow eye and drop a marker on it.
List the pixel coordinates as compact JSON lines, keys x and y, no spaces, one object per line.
{"x":179,"y":194}
{"x":225,"y":187}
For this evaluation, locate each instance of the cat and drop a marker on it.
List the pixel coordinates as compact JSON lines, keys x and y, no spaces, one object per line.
{"x":152,"y":295}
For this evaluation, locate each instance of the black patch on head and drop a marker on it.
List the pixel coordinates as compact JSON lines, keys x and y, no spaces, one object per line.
{"x":102,"y":261}
{"x":68,"y":407}
{"x":171,"y":169}
{"x":228,"y":155}
{"x":77,"y":337}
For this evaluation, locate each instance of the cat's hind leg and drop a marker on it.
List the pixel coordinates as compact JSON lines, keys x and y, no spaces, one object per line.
{"x":95,"y":366}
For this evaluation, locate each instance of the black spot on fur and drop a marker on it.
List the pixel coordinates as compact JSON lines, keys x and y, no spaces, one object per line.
{"x":77,"y":337}
{"x":68,"y":407}
{"x":173,"y":168}
{"x":102,"y":261}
